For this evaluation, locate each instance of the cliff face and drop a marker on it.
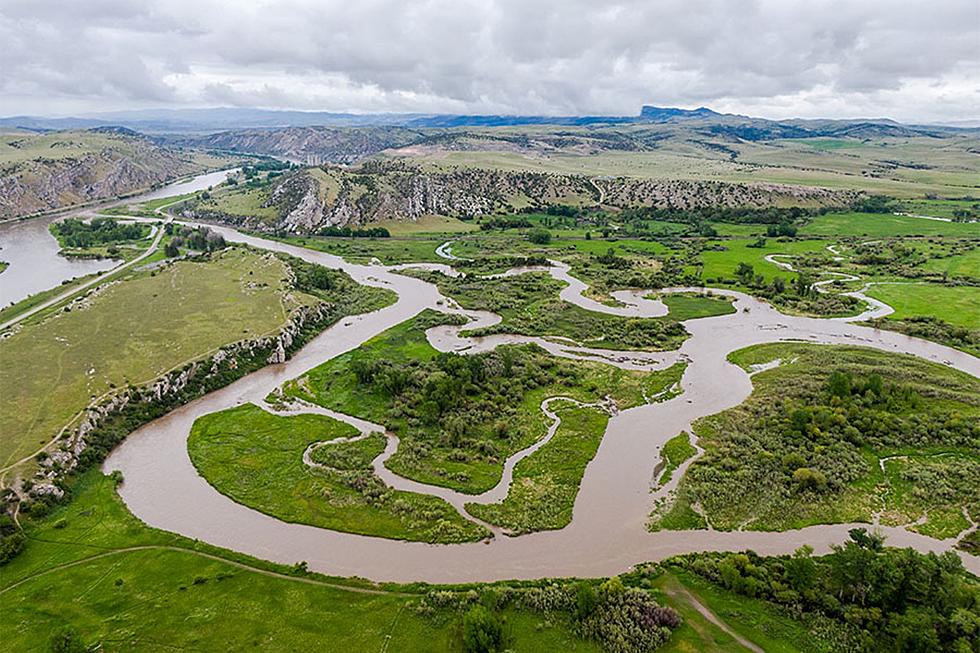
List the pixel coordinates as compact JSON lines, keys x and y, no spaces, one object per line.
{"x":78,"y":173}
{"x":310,"y":199}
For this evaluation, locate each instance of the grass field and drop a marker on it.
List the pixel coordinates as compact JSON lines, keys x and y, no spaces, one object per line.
{"x":427,"y":224}
{"x":130,"y":332}
{"x":92,"y":566}
{"x":722,"y":264}
{"x":958,"y":265}
{"x":390,"y":251}
{"x":599,"y":246}
{"x":690,"y":307}
{"x":256,"y":458}
{"x":958,"y":305}
{"x":880,"y":225}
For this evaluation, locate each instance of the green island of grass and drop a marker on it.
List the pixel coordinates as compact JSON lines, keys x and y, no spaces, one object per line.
{"x":676,"y":450}
{"x":459,"y":417}
{"x":693,"y":306}
{"x":838,"y":434}
{"x":256,"y":458}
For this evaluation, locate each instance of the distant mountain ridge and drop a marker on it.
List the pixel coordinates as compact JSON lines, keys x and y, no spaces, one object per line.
{"x":165,"y":121}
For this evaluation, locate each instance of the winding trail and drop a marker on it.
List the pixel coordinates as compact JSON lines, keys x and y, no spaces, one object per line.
{"x":607,"y":534}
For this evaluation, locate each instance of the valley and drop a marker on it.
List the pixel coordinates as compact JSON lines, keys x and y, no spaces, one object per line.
{"x":408,"y":393}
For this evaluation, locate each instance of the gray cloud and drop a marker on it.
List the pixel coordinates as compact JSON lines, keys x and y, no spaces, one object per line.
{"x":778,"y":58}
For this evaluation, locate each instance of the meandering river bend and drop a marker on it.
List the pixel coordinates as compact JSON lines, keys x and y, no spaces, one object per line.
{"x":607,"y":534}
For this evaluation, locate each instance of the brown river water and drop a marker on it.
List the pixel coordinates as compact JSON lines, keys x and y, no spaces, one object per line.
{"x":607,"y":534}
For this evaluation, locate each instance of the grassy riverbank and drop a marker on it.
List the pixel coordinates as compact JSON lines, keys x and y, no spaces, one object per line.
{"x":813,"y":442}
{"x":256,"y":458}
{"x":93,"y":568}
{"x":133,"y":330}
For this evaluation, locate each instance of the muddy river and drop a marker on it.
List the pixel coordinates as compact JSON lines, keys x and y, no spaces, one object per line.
{"x":607,"y":534}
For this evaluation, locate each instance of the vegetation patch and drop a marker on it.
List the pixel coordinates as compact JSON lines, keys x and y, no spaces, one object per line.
{"x":256,"y":458}
{"x":955,"y":305}
{"x":529,"y":305}
{"x":459,"y":417}
{"x":810,"y":443}
{"x":545,"y":484}
{"x":689,"y":306}
{"x":675,"y":451}
{"x":129,"y":587}
{"x":861,"y":597}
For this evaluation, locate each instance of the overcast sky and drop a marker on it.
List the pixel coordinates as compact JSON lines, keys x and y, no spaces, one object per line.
{"x":910,"y":60}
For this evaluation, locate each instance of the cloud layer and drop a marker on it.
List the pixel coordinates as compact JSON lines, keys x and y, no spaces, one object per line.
{"x":914,"y":61}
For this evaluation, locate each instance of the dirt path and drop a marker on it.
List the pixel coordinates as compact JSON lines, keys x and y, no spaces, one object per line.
{"x":201,"y":554}
{"x":678,"y":593}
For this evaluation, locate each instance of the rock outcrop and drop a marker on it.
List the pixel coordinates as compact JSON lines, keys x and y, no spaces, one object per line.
{"x":309,"y":199}
{"x":99,"y":166}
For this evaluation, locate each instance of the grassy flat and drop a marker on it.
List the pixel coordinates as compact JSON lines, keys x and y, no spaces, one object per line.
{"x":131,"y":332}
{"x":689,"y":307}
{"x":676,"y":450}
{"x":957,"y":305}
{"x":881,"y":225}
{"x":256,"y":458}
{"x":390,"y":251}
{"x":718,"y":264}
{"x":958,"y":265}
{"x":93,"y":566}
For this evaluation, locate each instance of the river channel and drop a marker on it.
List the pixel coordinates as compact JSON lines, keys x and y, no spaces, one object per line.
{"x":607,"y":534}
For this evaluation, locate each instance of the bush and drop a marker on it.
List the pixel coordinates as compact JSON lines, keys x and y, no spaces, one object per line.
{"x":539,"y":236}
{"x":482,"y":631}
{"x":67,"y":640}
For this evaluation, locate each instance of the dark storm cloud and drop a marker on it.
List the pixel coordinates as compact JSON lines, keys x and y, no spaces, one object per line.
{"x":911,"y":60}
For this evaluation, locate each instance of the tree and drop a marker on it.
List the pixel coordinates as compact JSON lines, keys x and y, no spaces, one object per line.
{"x":482,"y":631}
{"x":839,"y":384}
{"x":744,"y":272}
{"x":801,"y":570}
{"x":171,"y":250}
{"x":586,"y":600}
{"x":539,"y":236}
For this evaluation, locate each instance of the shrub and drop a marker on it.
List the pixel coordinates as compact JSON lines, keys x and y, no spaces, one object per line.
{"x":482,"y":631}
